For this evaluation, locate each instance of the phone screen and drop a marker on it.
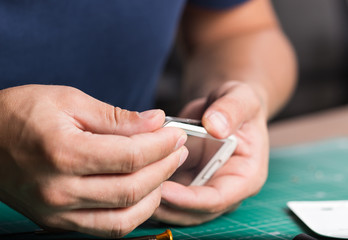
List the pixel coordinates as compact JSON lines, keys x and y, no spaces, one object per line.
{"x":201,"y":150}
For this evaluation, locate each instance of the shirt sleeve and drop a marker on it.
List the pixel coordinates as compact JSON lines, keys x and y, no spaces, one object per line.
{"x":216,"y":4}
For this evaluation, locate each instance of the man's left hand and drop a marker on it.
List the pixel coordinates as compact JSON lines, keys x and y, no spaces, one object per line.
{"x":234,"y":108}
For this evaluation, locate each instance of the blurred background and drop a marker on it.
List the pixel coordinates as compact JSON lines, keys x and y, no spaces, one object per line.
{"x":318,"y":30}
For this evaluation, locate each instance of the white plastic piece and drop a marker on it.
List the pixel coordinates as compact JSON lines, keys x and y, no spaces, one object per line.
{"x":326,"y":218}
{"x":228,"y":145}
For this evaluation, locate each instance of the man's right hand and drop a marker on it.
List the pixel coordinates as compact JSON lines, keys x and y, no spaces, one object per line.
{"x":69,"y":161}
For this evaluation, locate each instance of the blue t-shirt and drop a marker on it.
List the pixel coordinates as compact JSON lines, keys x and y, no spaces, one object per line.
{"x":113,"y":50}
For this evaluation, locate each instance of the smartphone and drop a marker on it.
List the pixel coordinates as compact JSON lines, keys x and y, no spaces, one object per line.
{"x":206,"y":153}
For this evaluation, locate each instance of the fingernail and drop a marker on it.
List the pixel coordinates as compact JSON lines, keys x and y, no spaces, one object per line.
{"x":183,"y":156}
{"x":180,"y":142}
{"x":149,"y":114}
{"x":219,"y":122}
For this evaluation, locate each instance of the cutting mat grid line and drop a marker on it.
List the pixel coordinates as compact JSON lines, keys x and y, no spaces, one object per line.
{"x":304,"y":172}
{"x":258,"y":228}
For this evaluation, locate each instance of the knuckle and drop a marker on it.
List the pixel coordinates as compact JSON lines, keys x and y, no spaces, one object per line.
{"x":54,"y":198}
{"x":54,"y":152}
{"x":237,"y":104}
{"x":134,"y":160}
{"x":118,"y":114}
{"x":55,"y":159}
{"x":112,"y":116}
{"x":191,"y":222}
{"x":216,"y":209}
{"x":50,"y":200}
{"x":69,"y":93}
{"x":218,"y":206}
{"x":219,"y":209}
{"x":56,"y":221}
{"x":171,"y":139}
{"x":121,"y":228}
{"x":115,"y":232}
{"x":62,"y":220}
{"x":58,"y":155}
{"x":170,"y":144}
{"x":133,"y":195}
{"x":169,"y":169}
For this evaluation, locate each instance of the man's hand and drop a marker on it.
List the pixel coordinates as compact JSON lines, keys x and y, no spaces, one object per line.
{"x":244,"y":44}
{"x":69,"y":161}
{"x":233,"y":109}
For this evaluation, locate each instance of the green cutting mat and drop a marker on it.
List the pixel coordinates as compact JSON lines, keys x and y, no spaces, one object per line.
{"x":316,"y":171}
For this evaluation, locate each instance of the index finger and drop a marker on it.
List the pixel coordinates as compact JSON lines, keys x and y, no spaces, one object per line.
{"x":194,"y":198}
{"x":223,"y":191}
{"x":87,"y":154}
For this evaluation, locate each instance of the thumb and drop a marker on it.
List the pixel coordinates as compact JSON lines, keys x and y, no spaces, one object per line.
{"x":102,"y":118}
{"x":228,"y":113}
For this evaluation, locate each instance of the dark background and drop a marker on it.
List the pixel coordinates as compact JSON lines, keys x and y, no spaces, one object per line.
{"x":318,"y":30}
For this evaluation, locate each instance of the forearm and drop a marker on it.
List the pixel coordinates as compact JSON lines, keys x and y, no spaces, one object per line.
{"x":242,"y":70}
{"x":263,"y":59}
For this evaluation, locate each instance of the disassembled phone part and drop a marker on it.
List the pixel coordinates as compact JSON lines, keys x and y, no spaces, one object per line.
{"x":212,"y":152}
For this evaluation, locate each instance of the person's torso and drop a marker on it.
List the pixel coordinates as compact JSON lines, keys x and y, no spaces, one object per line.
{"x":112,"y":50}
